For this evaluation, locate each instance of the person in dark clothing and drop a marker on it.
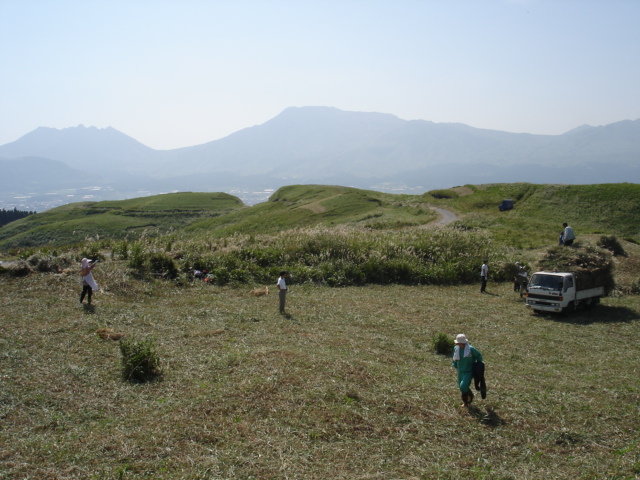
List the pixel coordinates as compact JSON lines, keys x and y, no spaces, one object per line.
{"x":282,"y":290}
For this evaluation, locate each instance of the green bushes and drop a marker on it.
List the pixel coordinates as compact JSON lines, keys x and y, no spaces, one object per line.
{"x":339,"y":256}
{"x":443,"y":344}
{"x":93,"y":250}
{"x":121,"y":249}
{"x":159,"y":263}
{"x":140,"y":362}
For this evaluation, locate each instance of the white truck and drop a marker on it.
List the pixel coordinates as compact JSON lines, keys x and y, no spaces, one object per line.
{"x":560,"y":292}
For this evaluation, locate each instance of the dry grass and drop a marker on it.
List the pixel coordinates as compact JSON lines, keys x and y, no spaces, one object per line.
{"x":343,"y":387}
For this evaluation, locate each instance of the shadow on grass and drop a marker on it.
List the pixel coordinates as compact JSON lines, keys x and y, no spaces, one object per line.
{"x":487,"y":417}
{"x":491,"y":294}
{"x":88,"y":308}
{"x":598,"y":314}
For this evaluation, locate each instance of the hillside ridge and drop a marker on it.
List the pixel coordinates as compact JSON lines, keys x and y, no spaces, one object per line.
{"x":605,"y":208}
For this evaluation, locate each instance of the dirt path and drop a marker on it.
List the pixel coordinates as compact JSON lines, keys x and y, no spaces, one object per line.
{"x":446,"y":216}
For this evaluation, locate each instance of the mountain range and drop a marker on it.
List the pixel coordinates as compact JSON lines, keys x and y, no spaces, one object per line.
{"x":310,"y":145}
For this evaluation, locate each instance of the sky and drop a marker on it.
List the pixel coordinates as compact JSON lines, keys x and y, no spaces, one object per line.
{"x":179,"y":73}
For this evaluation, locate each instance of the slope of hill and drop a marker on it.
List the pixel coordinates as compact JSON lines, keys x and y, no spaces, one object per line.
{"x":301,"y":206}
{"x":540,"y":210}
{"x":612,"y":209}
{"x":115,"y":219}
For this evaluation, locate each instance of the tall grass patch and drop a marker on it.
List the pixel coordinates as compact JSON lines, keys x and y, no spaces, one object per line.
{"x":140,"y":360}
{"x":343,"y":256}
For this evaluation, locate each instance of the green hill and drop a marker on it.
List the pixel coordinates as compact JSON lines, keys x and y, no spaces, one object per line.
{"x":300,"y":206}
{"x":612,"y":209}
{"x":540,"y":210}
{"x":75,"y":222}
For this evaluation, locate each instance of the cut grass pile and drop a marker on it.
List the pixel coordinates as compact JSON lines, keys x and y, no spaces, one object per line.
{"x":345,"y":386}
{"x":592,"y":266}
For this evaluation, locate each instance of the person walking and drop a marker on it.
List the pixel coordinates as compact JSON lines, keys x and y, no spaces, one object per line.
{"x":88,"y":283}
{"x":282,"y":290}
{"x":464,"y":356}
{"x":568,"y":236}
{"x":484,"y":276}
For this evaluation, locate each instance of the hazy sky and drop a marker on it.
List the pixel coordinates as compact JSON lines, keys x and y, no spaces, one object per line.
{"x":184,"y":72}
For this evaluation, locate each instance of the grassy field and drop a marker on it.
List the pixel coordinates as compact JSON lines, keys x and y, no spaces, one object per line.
{"x":300,"y":206}
{"x":540,"y":210}
{"x":75,"y":222}
{"x":345,"y":386}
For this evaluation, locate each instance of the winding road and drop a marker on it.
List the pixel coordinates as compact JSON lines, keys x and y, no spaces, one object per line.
{"x":446,"y":216}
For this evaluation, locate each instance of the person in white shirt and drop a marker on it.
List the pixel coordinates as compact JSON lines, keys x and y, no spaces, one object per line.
{"x":282,"y":290}
{"x":568,"y":236}
{"x":484,"y":276}
{"x":88,"y":283}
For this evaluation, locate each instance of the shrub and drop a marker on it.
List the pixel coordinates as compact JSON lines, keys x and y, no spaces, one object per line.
{"x":136,"y":256}
{"x":92,"y":251}
{"x":140,"y":362}
{"x":160,"y":263}
{"x":443,"y":194}
{"x":121,"y":249}
{"x":611,"y":243}
{"x":443,"y":344}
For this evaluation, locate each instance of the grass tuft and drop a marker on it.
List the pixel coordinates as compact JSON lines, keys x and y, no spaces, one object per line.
{"x":443,"y":344}
{"x":140,"y":361}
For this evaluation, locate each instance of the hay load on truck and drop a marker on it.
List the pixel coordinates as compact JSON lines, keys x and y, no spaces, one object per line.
{"x":572,"y":277}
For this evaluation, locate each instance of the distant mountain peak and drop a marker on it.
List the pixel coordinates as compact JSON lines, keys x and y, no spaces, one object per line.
{"x":581,"y":128}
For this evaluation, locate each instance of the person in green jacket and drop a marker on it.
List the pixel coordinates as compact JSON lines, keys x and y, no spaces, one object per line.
{"x":464,"y":356}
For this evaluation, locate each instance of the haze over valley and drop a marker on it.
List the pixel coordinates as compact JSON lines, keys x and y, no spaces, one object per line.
{"x":309,"y":145}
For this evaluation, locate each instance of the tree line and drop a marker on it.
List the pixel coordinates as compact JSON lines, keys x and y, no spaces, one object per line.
{"x":7,"y":216}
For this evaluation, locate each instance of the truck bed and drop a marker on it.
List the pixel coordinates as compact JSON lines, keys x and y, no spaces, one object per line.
{"x":589,"y":293}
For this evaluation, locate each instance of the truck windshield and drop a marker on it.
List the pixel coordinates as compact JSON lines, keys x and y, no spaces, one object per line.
{"x":551,"y":282}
